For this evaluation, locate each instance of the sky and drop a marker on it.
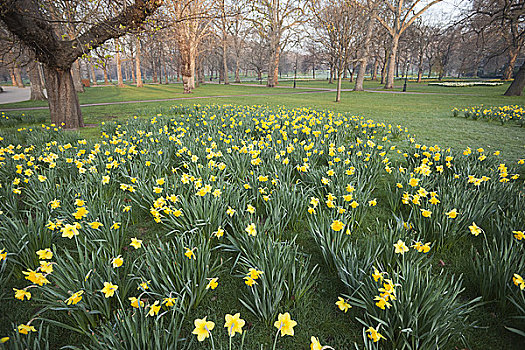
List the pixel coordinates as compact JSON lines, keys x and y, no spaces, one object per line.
{"x":444,"y":11}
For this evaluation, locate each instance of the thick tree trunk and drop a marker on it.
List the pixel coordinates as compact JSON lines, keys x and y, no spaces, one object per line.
{"x":93,"y":74}
{"x":419,"y":74}
{"x":37,"y":90}
{"x":273,"y":68}
{"x":63,"y":99}
{"x":77,"y":77}
{"x":313,"y":71}
{"x":392,"y":63}
{"x":188,"y":71}
{"x":18,"y":77}
{"x":120,"y":81}
{"x":516,"y":88}
{"x":374,"y":69}
{"x":509,"y":69}
{"x":137,"y":65}
{"x":237,"y":71}
{"x":106,"y":80}
{"x":331,"y":76}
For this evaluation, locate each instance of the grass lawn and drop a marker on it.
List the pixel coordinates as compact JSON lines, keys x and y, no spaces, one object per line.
{"x":427,"y":117}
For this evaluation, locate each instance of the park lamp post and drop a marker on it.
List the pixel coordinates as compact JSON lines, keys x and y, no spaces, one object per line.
{"x":295,"y":73}
{"x":406,"y":77}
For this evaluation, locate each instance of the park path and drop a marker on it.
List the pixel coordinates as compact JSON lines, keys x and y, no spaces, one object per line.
{"x":13,"y":94}
{"x":171,"y":99}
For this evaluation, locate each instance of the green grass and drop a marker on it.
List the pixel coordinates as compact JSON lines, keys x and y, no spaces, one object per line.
{"x":428,"y":117}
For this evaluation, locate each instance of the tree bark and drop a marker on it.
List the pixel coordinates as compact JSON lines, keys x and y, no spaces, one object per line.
{"x":18,"y":77}
{"x":77,"y":78}
{"x":188,"y":70}
{"x":339,"y":79}
{"x":313,"y":71}
{"x":225,"y":61}
{"x":392,"y":63}
{"x":237,"y":71}
{"x":62,"y":97}
{"x":37,"y":90}
{"x":93,"y":74}
{"x":106,"y":80}
{"x":273,"y":68}
{"x":509,"y":69}
{"x":13,"y":78}
{"x":516,"y":88}
{"x":137,"y":65}
{"x":120,"y":81}
{"x":374,"y":69}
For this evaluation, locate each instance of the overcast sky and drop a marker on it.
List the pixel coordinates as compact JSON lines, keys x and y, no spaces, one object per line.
{"x":444,"y":11}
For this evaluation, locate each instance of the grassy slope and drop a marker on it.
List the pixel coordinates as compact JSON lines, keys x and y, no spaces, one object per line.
{"x":427,"y":116}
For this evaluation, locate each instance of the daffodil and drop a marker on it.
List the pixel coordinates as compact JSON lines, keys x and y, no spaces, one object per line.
{"x":44,"y":254}
{"x":109,"y":289}
{"x":213,"y":283}
{"x":234,"y":324}
{"x":20,"y":294}
{"x":117,"y":262}
{"x":475,"y":229}
{"x":136,"y":243}
{"x":342,"y":304}
{"x":285,"y":324}
{"x":75,"y":298}
{"x":401,"y":247}
{"x":154,"y":309}
{"x":203,"y":328}
{"x":337,"y":225}
{"x":69,"y":231}
{"x":25,"y":329}
{"x":373,"y":333}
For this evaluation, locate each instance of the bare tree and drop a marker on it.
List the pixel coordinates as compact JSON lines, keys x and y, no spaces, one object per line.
{"x":275,"y":21}
{"x":397,"y":17}
{"x":30,"y":22}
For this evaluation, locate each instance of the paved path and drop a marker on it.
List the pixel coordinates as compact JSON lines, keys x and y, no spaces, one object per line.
{"x":13,"y":94}
{"x":170,"y":99}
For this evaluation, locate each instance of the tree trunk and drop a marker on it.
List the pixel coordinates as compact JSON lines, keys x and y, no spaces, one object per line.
{"x":313,"y":71}
{"x":331,"y":77}
{"x":166,"y":77}
{"x":188,"y":70}
{"x":106,"y":80}
{"x":18,"y":77}
{"x":63,"y":99}
{"x":237,"y":71}
{"x":120,"y":81}
{"x":374,"y":69}
{"x":155,"y":77}
{"x":93,"y":74}
{"x":273,"y":68}
{"x":392,"y":63}
{"x":339,"y":79}
{"x":225,"y":61}
{"x":13,"y":78}
{"x":37,"y":90}
{"x":137,"y":65}
{"x":419,"y":74}
{"x":77,"y":77}
{"x":516,"y":88}
{"x":509,"y":69}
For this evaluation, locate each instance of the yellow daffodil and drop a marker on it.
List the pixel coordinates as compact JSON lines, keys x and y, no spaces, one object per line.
{"x":109,"y":289}
{"x":213,"y":283}
{"x":203,"y":328}
{"x":401,"y":247}
{"x":74,"y":298}
{"x":136,"y":243}
{"x":25,"y":329}
{"x":373,"y":333}
{"x":20,"y":294}
{"x":285,"y":324}
{"x":342,"y":304}
{"x":44,"y":254}
{"x":233,"y":324}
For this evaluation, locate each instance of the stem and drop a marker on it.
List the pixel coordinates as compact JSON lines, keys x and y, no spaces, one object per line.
{"x":211,"y":338}
{"x":230,"y":343}
{"x":276,"y":335}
